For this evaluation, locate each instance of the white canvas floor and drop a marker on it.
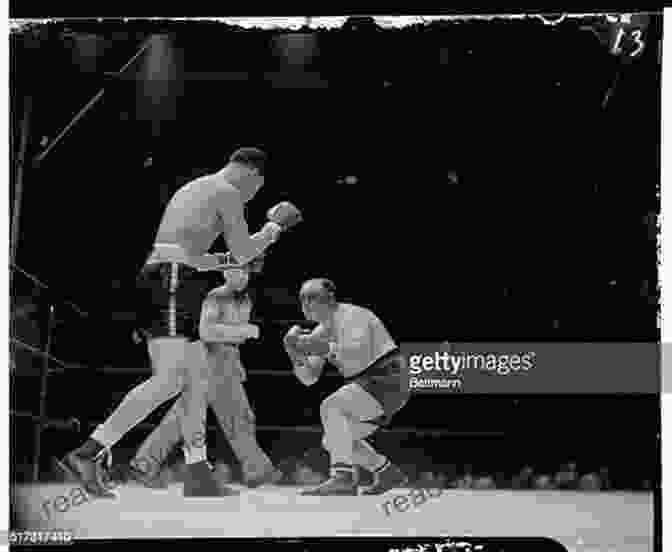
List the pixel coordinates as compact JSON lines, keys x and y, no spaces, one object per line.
{"x":620,"y":522}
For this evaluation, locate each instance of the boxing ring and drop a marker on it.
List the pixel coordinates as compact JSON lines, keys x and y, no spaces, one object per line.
{"x":617,"y":521}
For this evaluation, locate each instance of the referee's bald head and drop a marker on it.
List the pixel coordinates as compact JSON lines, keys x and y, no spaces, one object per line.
{"x":322,"y":290}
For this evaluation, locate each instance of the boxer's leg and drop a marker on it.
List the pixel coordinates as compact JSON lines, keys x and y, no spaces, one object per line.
{"x":342,"y":413}
{"x":386,"y":475}
{"x":194,"y":404}
{"x":229,"y":401}
{"x":168,"y":357}
{"x":200,"y":481}
{"x":339,"y":411}
{"x":183,"y":317}
{"x":151,"y":455}
{"x":364,"y":454}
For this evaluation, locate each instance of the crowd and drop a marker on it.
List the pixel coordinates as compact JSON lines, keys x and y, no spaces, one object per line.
{"x":567,"y":477}
{"x":303,"y":472}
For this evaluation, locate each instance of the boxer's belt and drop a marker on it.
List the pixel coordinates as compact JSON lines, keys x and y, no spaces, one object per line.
{"x":384,"y":358}
{"x":221,"y":345}
{"x":175,"y":253}
{"x":230,"y":347}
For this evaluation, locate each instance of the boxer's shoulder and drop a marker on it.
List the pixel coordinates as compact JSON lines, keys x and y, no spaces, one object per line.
{"x":227,"y":199}
{"x":223,"y":187}
{"x":221,"y":292}
{"x":209,"y":185}
{"x":350,"y":311}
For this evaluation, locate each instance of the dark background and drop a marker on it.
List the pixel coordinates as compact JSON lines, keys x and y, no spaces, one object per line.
{"x":545,"y":234}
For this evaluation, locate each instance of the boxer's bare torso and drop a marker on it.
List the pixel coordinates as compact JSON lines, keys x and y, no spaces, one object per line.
{"x":360,"y":338}
{"x":204,"y":209}
{"x":196,"y":214}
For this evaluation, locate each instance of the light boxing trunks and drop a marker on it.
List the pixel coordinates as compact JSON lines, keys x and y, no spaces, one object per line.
{"x":386,"y":380}
{"x":172,"y":293}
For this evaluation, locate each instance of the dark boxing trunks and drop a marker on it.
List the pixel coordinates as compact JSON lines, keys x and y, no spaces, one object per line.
{"x":172,"y":295}
{"x":386,"y":380}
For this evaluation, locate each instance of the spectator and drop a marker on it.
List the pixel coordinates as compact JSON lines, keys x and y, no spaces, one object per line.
{"x":605,"y":478}
{"x":567,"y":477}
{"x":501,"y":481}
{"x":485,"y":482}
{"x":590,"y":482}
{"x":427,"y":480}
{"x":467,"y":480}
{"x":411,"y":471}
{"x":441,"y":480}
{"x":177,"y":471}
{"x":543,"y":483}
{"x":223,"y":473}
{"x":365,"y":477}
{"x":448,"y":474}
{"x":288,"y":468}
{"x":524,"y":479}
{"x":317,"y":459}
{"x":305,"y":475}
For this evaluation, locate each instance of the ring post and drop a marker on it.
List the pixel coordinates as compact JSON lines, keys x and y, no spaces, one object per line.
{"x":40,"y":424}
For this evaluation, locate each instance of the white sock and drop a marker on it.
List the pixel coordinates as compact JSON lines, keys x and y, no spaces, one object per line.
{"x":368,"y":457}
{"x":194,"y":455}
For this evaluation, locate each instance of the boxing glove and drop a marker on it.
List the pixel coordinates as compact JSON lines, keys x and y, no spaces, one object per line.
{"x":285,"y":214}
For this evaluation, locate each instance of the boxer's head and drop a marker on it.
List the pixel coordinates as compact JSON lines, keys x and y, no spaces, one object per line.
{"x":318,"y":299}
{"x":246,"y":171}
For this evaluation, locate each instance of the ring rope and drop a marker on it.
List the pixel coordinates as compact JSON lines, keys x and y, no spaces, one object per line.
{"x":43,"y":422}
{"x":42,"y":285}
{"x":38,"y":352}
{"x":72,"y":423}
{"x":119,"y":370}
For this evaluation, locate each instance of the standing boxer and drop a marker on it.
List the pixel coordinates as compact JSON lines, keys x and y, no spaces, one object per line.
{"x":355,"y":340}
{"x":175,"y":282}
{"x":224,"y":327}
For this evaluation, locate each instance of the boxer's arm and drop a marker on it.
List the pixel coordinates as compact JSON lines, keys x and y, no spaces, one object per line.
{"x":242,"y":246}
{"x":212,"y":330}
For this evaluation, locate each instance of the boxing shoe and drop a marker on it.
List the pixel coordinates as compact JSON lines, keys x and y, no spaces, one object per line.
{"x":272,"y":476}
{"x":200,"y":482}
{"x":86,"y":465}
{"x":132,"y":473}
{"x":341,"y":483}
{"x":389,"y":477}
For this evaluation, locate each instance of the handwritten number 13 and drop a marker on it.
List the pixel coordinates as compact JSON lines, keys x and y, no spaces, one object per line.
{"x":636,"y":35}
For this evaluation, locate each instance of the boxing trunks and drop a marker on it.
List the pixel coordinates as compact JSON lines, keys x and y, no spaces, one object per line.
{"x":172,"y":293}
{"x":386,"y":380}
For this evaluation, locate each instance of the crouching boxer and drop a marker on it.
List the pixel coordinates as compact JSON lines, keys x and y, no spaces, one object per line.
{"x":175,"y":281}
{"x":355,"y":340}
{"x":224,"y":326}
